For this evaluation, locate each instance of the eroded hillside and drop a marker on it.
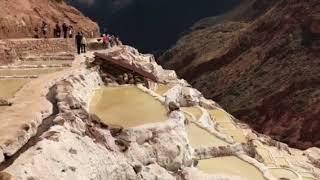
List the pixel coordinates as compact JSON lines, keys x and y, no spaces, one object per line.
{"x":265,"y":72}
{"x":19,"y":18}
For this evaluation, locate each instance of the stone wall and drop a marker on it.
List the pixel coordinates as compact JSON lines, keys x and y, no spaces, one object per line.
{"x":40,"y":46}
{"x":13,"y":49}
{"x":7,"y":55}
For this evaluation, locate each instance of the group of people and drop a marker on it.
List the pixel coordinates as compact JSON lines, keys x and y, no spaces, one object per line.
{"x":110,"y":40}
{"x":67,"y":31}
{"x":81,"y":42}
{"x":58,"y":31}
{"x":43,"y":32}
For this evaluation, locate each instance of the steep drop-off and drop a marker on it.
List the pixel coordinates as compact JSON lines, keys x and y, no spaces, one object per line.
{"x":265,"y":71}
{"x":19,"y":18}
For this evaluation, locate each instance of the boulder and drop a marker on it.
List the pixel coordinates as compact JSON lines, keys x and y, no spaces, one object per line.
{"x":173,"y":106}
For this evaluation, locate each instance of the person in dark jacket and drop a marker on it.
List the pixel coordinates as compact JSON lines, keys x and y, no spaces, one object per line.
{"x":78,"y":39}
{"x":57,"y":31}
{"x":65,"y":30}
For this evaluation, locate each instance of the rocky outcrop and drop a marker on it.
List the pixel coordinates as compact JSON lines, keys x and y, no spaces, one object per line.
{"x":130,"y":59}
{"x":20,"y":18}
{"x":264,"y":71}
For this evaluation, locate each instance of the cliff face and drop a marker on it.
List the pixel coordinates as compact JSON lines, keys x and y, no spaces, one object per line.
{"x":19,"y":18}
{"x":265,"y":71}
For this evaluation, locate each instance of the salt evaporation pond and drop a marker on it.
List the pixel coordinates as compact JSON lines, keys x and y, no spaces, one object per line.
{"x":230,"y":165}
{"x":127,"y":106}
{"x":199,"y":137}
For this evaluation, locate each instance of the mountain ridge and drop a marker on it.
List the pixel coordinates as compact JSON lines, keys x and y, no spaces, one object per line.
{"x":262,"y":71}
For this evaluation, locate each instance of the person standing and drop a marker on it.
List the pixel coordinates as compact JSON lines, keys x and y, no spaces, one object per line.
{"x":118,"y":41}
{"x":44,"y":29}
{"x":78,"y":39}
{"x":83,"y":43}
{"x":57,"y":31}
{"x":65,"y":30}
{"x":105,"y":40}
{"x":70,"y":31}
{"x":36,"y":32}
{"x":112,"y":40}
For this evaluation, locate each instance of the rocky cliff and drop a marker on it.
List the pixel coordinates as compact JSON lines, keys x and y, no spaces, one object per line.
{"x":264,"y":70}
{"x":19,"y":18}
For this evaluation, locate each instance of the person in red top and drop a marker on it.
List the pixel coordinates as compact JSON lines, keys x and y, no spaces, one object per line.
{"x":105,"y":40}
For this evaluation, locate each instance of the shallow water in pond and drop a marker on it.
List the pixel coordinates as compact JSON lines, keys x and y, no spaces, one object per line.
{"x":283,"y":173}
{"x":127,"y":107}
{"x":196,"y":112}
{"x":199,"y":137}
{"x":230,"y":165}
{"x":8,"y":87}
{"x":163,"y":88}
{"x":227,"y":125}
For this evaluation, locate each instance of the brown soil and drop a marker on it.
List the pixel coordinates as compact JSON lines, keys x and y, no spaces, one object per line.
{"x":265,"y":72}
{"x":19,"y":18}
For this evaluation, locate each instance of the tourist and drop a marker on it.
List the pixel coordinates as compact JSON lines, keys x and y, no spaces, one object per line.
{"x":36,"y":32}
{"x":57,"y":31}
{"x":105,"y":40}
{"x":70,"y":31}
{"x":118,"y":42}
{"x":83,"y":43}
{"x":44,"y":29}
{"x":65,"y":30}
{"x":78,"y":39}
{"x":112,"y":40}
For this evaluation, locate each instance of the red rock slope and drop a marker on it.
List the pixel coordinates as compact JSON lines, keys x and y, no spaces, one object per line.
{"x":18,"y":18}
{"x":265,"y":72}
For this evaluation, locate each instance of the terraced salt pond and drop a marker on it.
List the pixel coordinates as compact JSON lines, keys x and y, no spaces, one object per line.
{"x":284,"y":173}
{"x":227,"y":125}
{"x":8,"y":87}
{"x":199,"y":137}
{"x":230,"y":165}
{"x":110,"y":103}
{"x":163,"y":88}
{"x":195,"y":111}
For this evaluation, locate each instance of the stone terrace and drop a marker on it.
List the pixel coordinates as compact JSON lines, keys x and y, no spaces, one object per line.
{"x":19,"y":49}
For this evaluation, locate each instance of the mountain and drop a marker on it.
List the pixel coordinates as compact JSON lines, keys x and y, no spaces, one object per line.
{"x":19,"y":18}
{"x":151,"y":25}
{"x":261,"y":62}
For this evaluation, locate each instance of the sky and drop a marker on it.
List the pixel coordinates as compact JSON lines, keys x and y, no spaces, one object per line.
{"x":151,"y":25}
